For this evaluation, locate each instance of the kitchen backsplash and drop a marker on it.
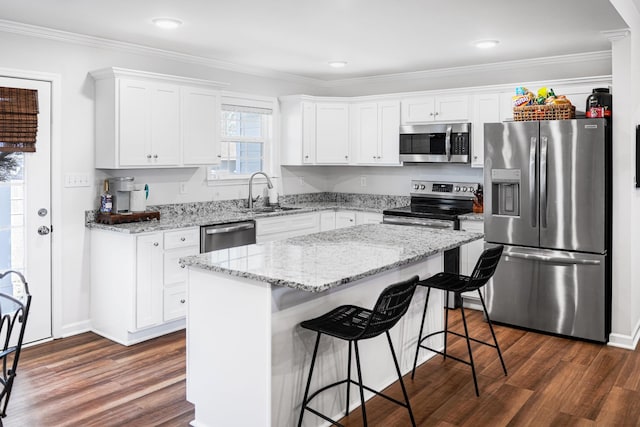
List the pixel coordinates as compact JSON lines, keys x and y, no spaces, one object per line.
{"x":376,"y":201}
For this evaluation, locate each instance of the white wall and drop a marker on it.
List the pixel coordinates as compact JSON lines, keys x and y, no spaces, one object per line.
{"x":626,"y":198}
{"x":73,"y":62}
{"x":379,"y":180}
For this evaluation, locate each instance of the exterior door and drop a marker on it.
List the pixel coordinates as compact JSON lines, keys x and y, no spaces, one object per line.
{"x":25,"y":217}
{"x":572,"y":185}
{"x":511,"y":183}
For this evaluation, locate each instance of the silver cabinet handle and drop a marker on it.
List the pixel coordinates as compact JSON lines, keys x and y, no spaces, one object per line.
{"x":148,"y":156}
{"x":229,"y":229}
{"x":182,"y":266}
{"x":155,"y":243}
{"x":155,"y":156}
{"x":447,"y":143}
{"x":543,"y":181}
{"x":533,"y":148}
{"x":551,"y":259}
{"x":182,"y":239}
{"x":43,"y":230}
{"x":182,"y":301}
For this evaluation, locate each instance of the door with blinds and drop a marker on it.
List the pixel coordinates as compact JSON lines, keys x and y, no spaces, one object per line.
{"x":25,"y":199}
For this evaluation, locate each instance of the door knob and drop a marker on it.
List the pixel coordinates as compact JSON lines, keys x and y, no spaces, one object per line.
{"x":43,"y":230}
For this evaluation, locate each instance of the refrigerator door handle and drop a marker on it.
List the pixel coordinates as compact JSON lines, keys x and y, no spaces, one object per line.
{"x":543,"y":181}
{"x":532,"y":180}
{"x":551,"y":259}
{"x":447,"y":143}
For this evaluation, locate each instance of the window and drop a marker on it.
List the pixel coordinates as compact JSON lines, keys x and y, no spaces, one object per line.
{"x":245,"y":139}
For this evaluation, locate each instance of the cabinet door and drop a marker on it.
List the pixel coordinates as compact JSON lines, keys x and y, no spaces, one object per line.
{"x":368,"y":218}
{"x":327,"y":221}
{"x":308,"y":133}
{"x":418,"y":110}
{"x":452,"y":108}
{"x":506,"y":106}
{"x":366,"y":132}
{"x":134,"y":138}
{"x":149,"y":283}
{"x":332,"y":133}
{"x":486,"y":109}
{"x":165,"y":125}
{"x":345,"y":219}
{"x":389,"y":133}
{"x":200,"y":126}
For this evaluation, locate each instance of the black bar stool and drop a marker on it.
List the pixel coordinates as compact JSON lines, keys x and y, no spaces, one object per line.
{"x":457,"y":283}
{"x":352,"y":323}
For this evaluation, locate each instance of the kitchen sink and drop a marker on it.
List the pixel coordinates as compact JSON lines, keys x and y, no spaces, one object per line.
{"x":267,"y":209}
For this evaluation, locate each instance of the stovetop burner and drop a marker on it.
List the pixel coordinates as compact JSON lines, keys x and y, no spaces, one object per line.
{"x":437,"y":200}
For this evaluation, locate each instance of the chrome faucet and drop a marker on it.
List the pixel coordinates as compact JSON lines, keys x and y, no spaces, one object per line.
{"x":251,"y":199}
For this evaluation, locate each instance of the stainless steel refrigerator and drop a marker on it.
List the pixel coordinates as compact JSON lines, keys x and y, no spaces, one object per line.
{"x":548,"y":200}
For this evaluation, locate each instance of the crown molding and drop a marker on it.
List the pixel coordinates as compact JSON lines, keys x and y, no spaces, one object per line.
{"x":91,"y":41}
{"x":481,"y":68}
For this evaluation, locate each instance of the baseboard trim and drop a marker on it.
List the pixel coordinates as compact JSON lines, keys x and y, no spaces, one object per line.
{"x":75,"y":329}
{"x":628,"y":342}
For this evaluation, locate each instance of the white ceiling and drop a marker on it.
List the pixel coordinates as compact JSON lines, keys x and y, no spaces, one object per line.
{"x":375,"y":37}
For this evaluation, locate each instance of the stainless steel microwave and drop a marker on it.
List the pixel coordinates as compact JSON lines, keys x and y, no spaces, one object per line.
{"x":435,"y":143}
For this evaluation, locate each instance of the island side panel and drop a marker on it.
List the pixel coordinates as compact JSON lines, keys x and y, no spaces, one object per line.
{"x":292,"y":346}
{"x":228,"y":349}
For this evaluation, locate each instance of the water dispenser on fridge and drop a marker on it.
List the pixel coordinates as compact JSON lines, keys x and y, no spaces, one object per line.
{"x":505,"y":188}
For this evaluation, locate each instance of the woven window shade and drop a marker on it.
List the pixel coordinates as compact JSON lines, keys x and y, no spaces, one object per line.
{"x":18,"y":119}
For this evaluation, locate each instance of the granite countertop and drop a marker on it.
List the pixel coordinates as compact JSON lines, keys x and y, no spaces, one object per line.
{"x":472,"y":217}
{"x":321,"y":261}
{"x":197,"y":219}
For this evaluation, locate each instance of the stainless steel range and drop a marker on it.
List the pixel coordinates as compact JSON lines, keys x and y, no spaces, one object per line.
{"x":436,"y":205}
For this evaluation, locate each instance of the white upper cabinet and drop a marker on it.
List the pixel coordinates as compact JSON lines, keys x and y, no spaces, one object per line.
{"x":298,"y":141}
{"x":332,"y":133}
{"x":376,"y":133}
{"x":486,"y":109}
{"x":149,"y":120}
{"x":152,"y":120}
{"x":445,"y":108}
{"x":200,"y":126}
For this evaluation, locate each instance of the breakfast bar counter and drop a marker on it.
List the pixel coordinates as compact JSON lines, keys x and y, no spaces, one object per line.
{"x":247,"y":358}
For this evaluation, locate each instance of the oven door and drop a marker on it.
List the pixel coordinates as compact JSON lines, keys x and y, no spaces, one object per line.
{"x":424,"y":147}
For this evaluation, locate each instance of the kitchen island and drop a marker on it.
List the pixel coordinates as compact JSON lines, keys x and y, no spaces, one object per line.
{"x":247,"y":358}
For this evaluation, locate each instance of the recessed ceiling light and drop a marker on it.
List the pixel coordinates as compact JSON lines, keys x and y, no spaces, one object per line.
{"x":486,"y":44}
{"x":167,"y":23}
{"x":337,"y":64}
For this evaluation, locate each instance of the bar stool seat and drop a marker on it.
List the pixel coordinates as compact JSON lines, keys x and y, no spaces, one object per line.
{"x":457,"y":283}
{"x":352,"y":323}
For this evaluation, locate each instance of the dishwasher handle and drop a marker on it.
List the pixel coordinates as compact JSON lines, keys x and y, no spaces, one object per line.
{"x":229,"y":228}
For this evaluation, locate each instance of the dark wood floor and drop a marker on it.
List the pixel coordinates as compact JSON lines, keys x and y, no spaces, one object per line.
{"x":86,"y":380}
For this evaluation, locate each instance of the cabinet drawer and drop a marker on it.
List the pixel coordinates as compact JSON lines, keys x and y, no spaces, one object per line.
{"x":173,"y":273}
{"x":175,"y":302}
{"x":182,"y":238}
{"x":287,"y":223}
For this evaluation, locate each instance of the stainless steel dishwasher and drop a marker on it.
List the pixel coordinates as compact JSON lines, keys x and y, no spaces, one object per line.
{"x":227,"y":235}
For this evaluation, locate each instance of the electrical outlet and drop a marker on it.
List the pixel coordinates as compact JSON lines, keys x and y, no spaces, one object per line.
{"x":301,"y":180}
{"x":183,"y":188}
{"x":363,"y":181}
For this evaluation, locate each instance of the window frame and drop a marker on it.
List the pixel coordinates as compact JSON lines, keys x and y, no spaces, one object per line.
{"x":268,"y":155}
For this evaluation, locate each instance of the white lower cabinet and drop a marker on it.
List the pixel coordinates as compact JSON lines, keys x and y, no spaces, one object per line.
{"x":469,"y":255}
{"x":285,"y":226}
{"x":138,"y":289}
{"x":345,"y":219}
{"x":368,"y":218}
{"x":331,"y":220}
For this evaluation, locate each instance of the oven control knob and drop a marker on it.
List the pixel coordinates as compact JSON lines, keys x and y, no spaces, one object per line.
{"x":422,"y":187}
{"x":416,"y":186}
{"x":464,"y":189}
{"x":457,"y":188}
